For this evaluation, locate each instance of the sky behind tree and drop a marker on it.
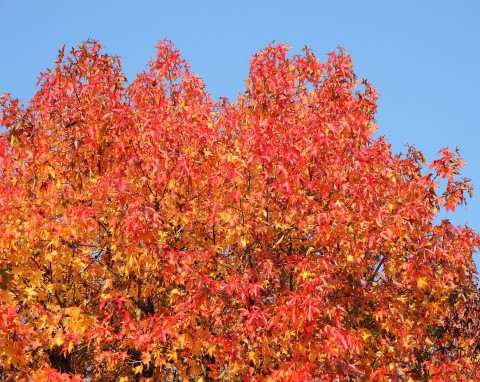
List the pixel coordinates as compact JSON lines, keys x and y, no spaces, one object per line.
{"x":422,"y":56}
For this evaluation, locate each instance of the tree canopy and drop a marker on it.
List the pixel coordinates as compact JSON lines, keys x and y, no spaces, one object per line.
{"x":148,"y":232}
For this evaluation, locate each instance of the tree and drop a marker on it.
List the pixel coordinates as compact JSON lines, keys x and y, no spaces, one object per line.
{"x":150,"y":233}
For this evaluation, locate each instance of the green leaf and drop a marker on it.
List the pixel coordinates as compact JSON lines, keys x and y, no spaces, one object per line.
{"x":5,"y":278}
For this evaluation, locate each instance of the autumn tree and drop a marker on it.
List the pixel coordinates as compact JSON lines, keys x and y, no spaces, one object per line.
{"x":150,"y":233}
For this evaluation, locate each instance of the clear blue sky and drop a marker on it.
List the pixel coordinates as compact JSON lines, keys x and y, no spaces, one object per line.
{"x":422,"y":55}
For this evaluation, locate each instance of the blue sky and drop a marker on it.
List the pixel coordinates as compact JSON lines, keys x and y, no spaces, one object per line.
{"x":423,"y":56}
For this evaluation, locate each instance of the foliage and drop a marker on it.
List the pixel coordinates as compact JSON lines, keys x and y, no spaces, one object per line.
{"x":149,"y":233}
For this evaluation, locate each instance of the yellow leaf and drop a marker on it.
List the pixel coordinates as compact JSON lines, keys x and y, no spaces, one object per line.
{"x":173,"y":356}
{"x":181,"y":340}
{"x":146,"y":358}
{"x":235,"y":367}
{"x":422,"y":283}
{"x":252,"y":356}
{"x":366,"y":336}
{"x":31,"y":292}
{"x":210,"y":351}
{"x":108,"y":284}
{"x":305,"y":274}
